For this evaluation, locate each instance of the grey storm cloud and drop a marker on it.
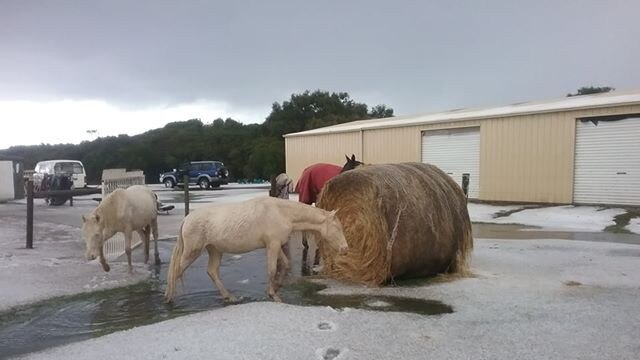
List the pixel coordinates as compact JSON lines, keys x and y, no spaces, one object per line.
{"x":412,"y":55}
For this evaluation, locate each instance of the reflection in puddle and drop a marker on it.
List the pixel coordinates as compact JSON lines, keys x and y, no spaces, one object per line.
{"x":304,"y":292}
{"x":68,"y":319}
{"x":521,"y":232}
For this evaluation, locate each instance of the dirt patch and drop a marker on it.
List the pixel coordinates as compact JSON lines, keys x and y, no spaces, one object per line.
{"x":572,"y":283}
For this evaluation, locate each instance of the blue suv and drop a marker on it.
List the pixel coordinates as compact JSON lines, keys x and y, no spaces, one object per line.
{"x":205,"y":174}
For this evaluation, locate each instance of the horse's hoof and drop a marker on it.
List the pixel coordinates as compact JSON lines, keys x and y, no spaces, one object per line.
{"x":276,"y":298}
{"x":232,"y":299}
{"x":106,"y":267}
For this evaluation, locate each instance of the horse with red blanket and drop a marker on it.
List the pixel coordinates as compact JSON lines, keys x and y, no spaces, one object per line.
{"x":315,"y":176}
{"x":308,"y":187}
{"x":311,"y":183}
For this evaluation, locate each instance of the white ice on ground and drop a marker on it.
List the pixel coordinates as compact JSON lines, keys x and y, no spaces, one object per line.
{"x":530,"y":299}
{"x":55,"y":267}
{"x":378,"y":303}
{"x":564,"y":218}
{"x":554,"y":218}
{"x":206,"y":198}
{"x":487,"y":213}
{"x":634,"y":226}
{"x":240,"y":186}
{"x":519,"y":305}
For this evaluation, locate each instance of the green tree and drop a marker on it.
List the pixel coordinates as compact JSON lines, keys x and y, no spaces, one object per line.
{"x":311,"y":110}
{"x":248,"y":151}
{"x":380,"y":111}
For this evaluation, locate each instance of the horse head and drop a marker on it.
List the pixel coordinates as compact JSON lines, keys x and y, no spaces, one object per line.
{"x":335,"y":233}
{"x":92,"y":234}
{"x":351,"y":163}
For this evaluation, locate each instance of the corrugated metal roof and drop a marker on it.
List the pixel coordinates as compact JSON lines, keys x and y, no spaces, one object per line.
{"x":521,"y":108}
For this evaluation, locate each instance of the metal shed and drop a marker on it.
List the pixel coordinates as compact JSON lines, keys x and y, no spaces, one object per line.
{"x":579,"y":149}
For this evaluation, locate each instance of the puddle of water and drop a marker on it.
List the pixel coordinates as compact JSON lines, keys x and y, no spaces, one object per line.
{"x":521,"y":232}
{"x":306,"y":293}
{"x":68,"y":319}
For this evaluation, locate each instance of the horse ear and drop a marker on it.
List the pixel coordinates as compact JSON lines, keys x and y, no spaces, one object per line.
{"x":333,"y":213}
{"x":346,"y":157}
{"x":353,"y":157}
{"x":97,"y":218}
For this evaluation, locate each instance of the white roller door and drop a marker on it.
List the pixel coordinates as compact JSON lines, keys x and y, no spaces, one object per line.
{"x":456,"y":152}
{"x":607,"y":162}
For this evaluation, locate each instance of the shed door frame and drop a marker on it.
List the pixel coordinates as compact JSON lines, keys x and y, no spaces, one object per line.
{"x":607,"y":160}
{"x":458,"y":158}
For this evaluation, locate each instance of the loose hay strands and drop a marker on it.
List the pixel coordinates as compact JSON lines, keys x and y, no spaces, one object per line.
{"x":400,"y":220}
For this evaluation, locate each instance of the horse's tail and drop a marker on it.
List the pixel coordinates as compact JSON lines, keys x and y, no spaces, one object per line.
{"x":175,"y":267}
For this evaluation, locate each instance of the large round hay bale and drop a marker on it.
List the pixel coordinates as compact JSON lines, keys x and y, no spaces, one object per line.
{"x":400,"y":220}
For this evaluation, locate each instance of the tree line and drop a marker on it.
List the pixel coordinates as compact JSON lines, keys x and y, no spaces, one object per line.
{"x":248,"y":151}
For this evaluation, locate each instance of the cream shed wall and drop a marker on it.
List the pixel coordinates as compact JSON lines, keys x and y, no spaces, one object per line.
{"x":526,"y":157}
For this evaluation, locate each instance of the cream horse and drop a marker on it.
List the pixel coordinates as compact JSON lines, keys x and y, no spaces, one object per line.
{"x":125,"y":211}
{"x":264,"y":222}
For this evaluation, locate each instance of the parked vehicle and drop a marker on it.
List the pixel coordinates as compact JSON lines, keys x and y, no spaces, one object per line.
{"x":61,"y":181}
{"x":74,"y":168}
{"x":205,"y":174}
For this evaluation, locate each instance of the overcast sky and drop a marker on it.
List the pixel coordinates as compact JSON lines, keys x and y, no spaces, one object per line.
{"x":128,"y":66}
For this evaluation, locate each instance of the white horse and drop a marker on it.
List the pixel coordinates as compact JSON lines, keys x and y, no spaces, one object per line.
{"x":264,"y":222}
{"x":126,"y":211}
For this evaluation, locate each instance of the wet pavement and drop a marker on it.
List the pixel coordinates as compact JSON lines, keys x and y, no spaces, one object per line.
{"x":521,"y":232}
{"x":80,"y":317}
{"x":74,"y":318}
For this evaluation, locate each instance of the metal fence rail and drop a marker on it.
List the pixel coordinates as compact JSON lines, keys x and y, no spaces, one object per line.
{"x":113,"y":179}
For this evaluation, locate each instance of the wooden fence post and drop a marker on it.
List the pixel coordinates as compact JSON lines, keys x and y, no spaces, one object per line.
{"x":186,"y":194}
{"x":30,"y":213}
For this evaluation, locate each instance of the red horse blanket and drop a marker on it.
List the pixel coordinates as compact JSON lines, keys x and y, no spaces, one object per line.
{"x":313,"y":179}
